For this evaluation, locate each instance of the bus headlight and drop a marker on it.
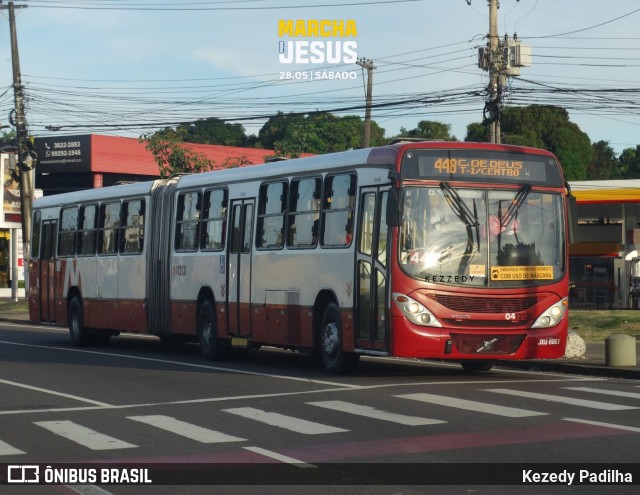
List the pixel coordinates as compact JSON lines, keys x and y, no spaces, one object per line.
{"x":415,"y":312}
{"x":552,"y":316}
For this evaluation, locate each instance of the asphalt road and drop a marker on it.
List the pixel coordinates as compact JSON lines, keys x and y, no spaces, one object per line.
{"x":275,"y":418}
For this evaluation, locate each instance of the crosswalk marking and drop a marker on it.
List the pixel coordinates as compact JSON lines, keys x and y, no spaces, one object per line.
{"x":605,"y":406}
{"x":471,"y":405}
{"x":371,"y":412}
{"x":606,"y":425}
{"x":84,"y":436}
{"x":6,"y":449}
{"x":287,"y":422}
{"x":279,"y":457}
{"x":617,"y":393}
{"x":188,"y":430}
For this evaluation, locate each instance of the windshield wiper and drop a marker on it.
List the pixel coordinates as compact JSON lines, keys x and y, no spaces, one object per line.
{"x":469,"y":218}
{"x":515,"y":205}
{"x":461,"y":209}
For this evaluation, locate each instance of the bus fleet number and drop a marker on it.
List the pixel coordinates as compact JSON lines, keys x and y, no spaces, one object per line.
{"x":179,"y":270}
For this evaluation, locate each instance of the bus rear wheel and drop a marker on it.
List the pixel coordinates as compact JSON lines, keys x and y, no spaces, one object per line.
{"x":77,"y":332}
{"x":210,"y":344}
{"x":334,"y":359}
{"x":477,"y":365}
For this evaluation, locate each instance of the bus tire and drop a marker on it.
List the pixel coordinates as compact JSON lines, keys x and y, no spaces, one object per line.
{"x":77,"y":332}
{"x":210,"y":344}
{"x":100,"y":337}
{"x":334,"y":359}
{"x":477,"y":365}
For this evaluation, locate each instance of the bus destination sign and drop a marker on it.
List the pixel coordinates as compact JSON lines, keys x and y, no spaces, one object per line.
{"x":469,"y":168}
{"x":481,"y":166}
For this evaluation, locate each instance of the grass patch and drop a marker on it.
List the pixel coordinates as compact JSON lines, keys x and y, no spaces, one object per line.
{"x":8,"y":306}
{"x":595,"y":325}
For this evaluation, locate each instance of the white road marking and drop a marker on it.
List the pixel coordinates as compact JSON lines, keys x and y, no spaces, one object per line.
{"x":606,"y":425}
{"x":471,"y":405}
{"x":286,"y":422}
{"x":88,"y":490}
{"x":6,"y":449}
{"x":84,"y":436}
{"x":605,"y":406}
{"x":53,"y":392}
{"x":188,"y":365}
{"x":279,"y":457}
{"x":188,"y":430}
{"x":617,"y":393}
{"x":371,"y":412}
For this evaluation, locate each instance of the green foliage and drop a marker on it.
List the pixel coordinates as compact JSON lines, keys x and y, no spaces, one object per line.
{"x":547,"y":127}
{"x":477,"y":133}
{"x":629,"y":163}
{"x":172,"y":156}
{"x":429,"y":129}
{"x":604,"y":163}
{"x":294,"y":134}
{"x":213,"y":130}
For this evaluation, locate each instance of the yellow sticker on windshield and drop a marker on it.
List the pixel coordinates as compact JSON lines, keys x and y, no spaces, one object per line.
{"x":521,"y":273}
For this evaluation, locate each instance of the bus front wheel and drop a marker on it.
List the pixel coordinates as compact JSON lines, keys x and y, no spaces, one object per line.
{"x":477,"y":365}
{"x":77,"y":332}
{"x":210,"y":345}
{"x":334,"y":359}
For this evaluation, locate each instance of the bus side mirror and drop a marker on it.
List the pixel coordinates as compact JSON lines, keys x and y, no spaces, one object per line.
{"x":572,"y":215}
{"x":393,"y":210}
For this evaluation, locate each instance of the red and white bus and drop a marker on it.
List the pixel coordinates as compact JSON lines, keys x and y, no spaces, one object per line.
{"x":439,"y":250}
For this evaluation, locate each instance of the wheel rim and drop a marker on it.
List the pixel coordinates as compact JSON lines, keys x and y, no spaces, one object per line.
{"x":330,"y":339}
{"x":75,"y":325}
{"x":207,"y":332}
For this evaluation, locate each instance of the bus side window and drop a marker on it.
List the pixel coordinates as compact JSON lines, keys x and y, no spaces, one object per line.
{"x":132,"y":226}
{"x":87,"y":234}
{"x":35,"y":235}
{"x":108,"y":228}
{"x":272,"y":209}
{"x":214,"y":220}
{"x":337,"y":210}
{"x":187,"y":221}
{"x":68,"y":231}
{"x":304,"y":212}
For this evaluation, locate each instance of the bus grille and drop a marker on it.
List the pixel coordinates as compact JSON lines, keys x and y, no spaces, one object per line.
{"x":484,"y":304}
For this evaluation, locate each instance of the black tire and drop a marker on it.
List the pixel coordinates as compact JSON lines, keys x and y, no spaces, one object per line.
{"x":100,"y":337}
{"x":210,"y":344}
{"x":77,"y":332}
{"x":477,"y":365}
{"x":334,"y":359}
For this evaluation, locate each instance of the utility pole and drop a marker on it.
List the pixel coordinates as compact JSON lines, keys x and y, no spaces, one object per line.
{"x":501,"y":58}
{"x":26,"y":155}
{"x":495,"y":88}
{"x":367,"y":64}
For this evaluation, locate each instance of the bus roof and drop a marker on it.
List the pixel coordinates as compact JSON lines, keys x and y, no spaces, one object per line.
{"x":112,"y":192}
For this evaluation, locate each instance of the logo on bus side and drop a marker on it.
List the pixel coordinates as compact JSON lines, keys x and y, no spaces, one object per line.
{"x":71,"y":275}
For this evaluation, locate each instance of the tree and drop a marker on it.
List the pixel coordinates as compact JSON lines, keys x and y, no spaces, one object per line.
{"x":322,"y":132}
{"x":547,"y":127}
{"x":172,"y":156}
{"x":629,"y":167}
{"x":429,"y":129}
{"x":604,"y":163}
{"x":213,"y":130}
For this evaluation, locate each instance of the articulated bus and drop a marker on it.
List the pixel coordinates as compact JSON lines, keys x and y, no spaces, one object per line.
{"x":434,"y":250}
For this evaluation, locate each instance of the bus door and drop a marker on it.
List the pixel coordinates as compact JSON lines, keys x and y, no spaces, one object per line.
{"x":47,"y":273}
{"x":239,"y":269}
{"x":371,"y":271}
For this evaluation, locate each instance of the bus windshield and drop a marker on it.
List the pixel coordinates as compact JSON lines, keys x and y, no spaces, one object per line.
{"x":479,"y":237}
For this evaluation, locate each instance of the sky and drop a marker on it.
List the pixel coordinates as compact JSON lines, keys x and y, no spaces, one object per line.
{"x":130,"y":67}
